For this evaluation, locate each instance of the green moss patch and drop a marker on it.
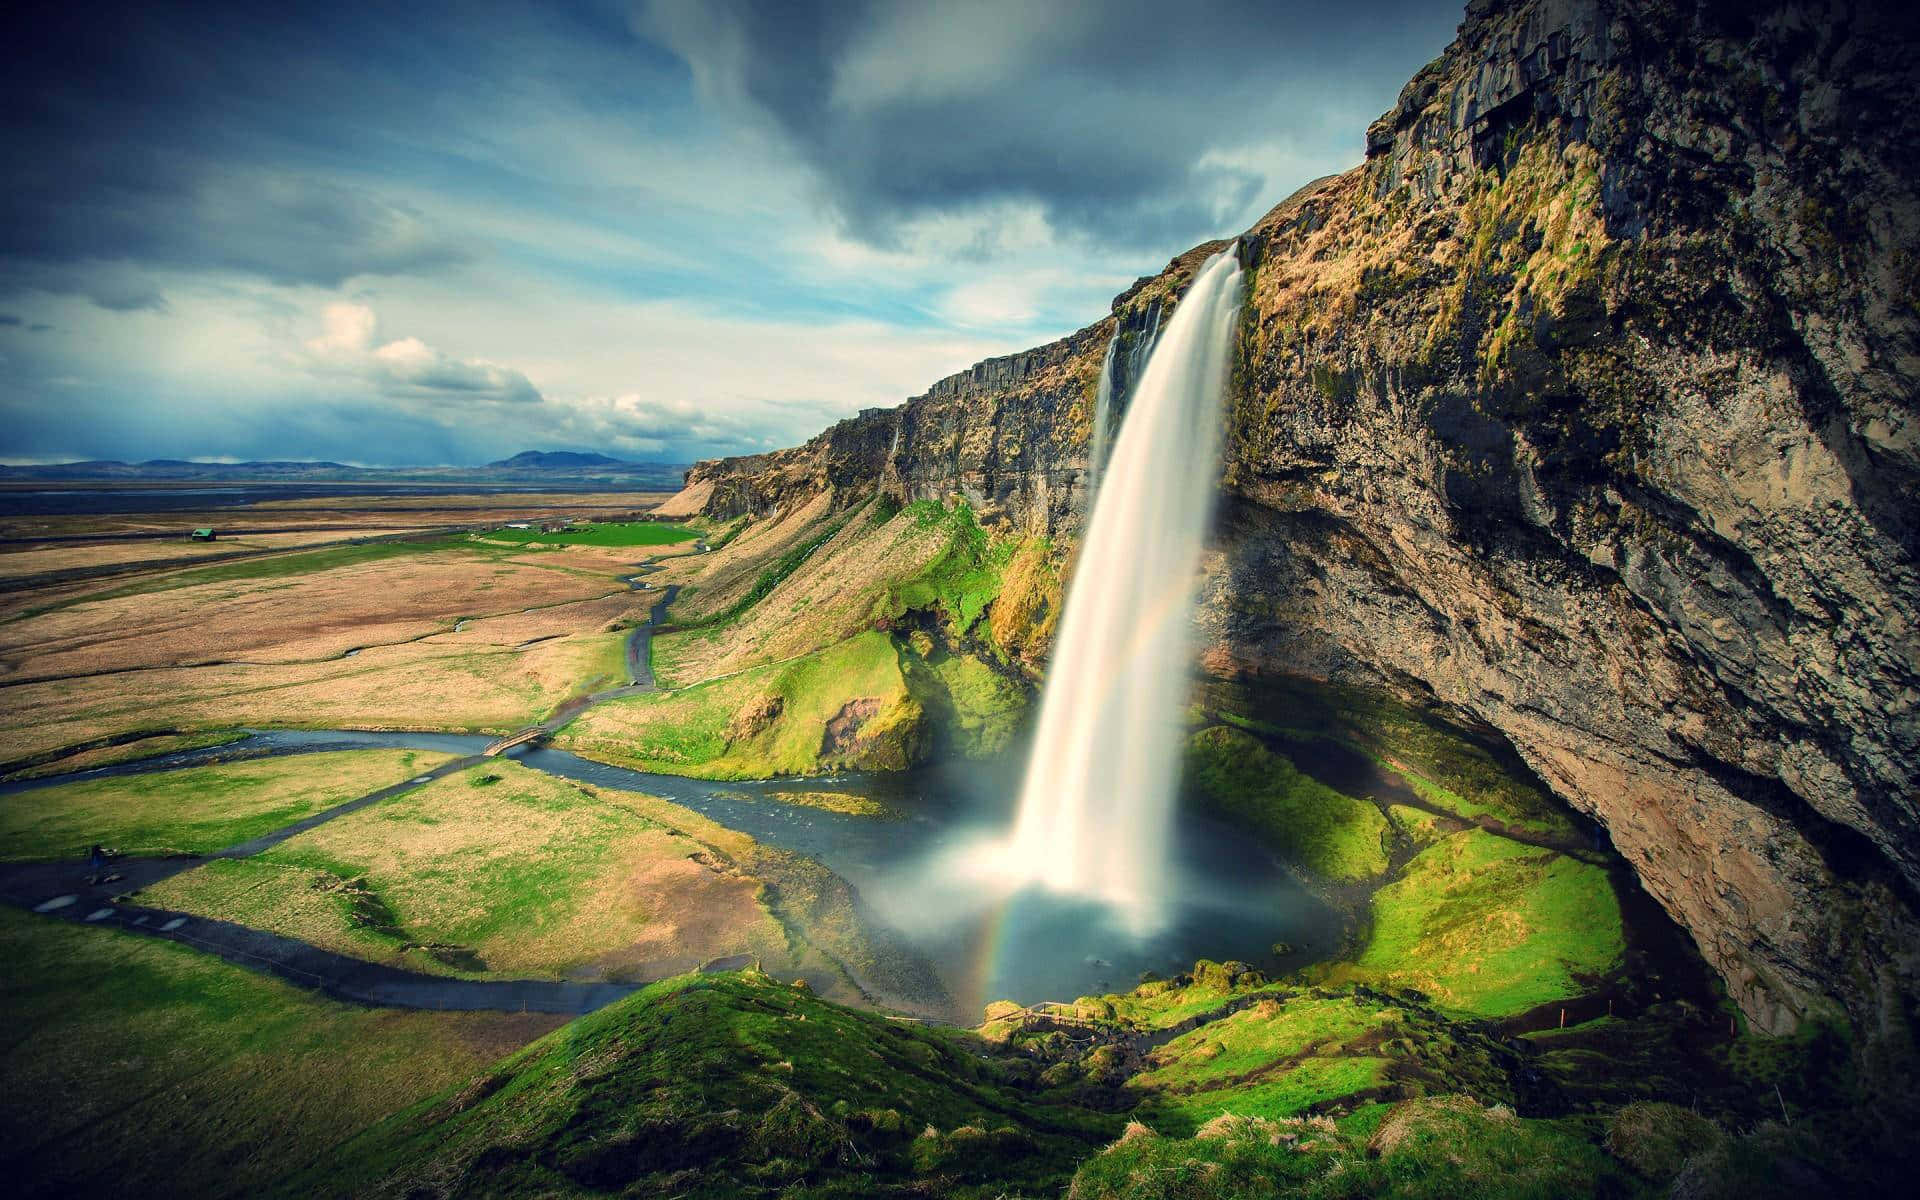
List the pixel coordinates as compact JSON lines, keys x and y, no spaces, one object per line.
{"x":1448,"y":1146}
{"x":1443,"y":765}
{"x":958,"y":583}
{"x":847,"y":705}
{"x":1491,"y":927}
{"x":1431,"y":1147}
{"x":1279,"y":1054}
{"x":975,"y":708}
{"x":1327,"y":834}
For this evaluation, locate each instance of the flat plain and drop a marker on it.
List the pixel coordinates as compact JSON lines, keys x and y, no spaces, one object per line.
{"x":444,"y":632}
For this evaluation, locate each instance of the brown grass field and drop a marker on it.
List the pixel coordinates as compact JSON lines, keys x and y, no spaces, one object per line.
{"x":35,"y":558}
{"x":813,"y":607}
{"x":432,"y":684}
{"x":357,"y":513}
{"x":280,"y":620}
{"x":267,"y":642}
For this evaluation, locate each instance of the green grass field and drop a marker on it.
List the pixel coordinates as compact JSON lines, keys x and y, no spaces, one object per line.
{"x":608,"y":533}
{"x":1328,"y":834}
{"x":497,"y":869}
{"x":196,"y":810}
{"x":137,"y":1067}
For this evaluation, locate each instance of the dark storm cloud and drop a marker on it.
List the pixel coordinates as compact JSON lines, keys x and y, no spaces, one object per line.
{"x":235,"y":137}
{"x":1104,"y":114}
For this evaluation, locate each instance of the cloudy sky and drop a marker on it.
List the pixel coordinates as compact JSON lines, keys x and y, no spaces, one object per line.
{"x":441,"y":233}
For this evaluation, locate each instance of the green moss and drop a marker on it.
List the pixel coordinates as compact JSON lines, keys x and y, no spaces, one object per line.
{"x":1439,"y":761}
{"x":1159,"y":1003}
{"x":1421,"y":827}
{"x":1276,"y":1052}
{"x":1441,"y":1147}
{"x":727,"y":1085}
{"x":958,"y":583}
{"x":1328,"y":834}
{"x":1491,"y":927}
{"x":977,"y":708}
{"x":767,"y":720}
{"x":1273,"y":1059}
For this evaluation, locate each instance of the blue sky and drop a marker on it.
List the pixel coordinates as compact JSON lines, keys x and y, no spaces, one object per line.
{"x":442,"y":233}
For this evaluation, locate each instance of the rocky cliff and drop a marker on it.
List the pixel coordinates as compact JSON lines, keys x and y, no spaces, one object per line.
{"x":1585,"y":409}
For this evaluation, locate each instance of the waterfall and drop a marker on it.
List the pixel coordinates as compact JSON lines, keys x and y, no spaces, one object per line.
{"x":1113,"y":394}
{"x":1096,"y":808}
{"x":1102,"y":414}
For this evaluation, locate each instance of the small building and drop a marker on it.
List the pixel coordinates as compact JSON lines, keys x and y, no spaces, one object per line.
{"x":204,"y":535}
{"x":554,"y":527}
{"x":701,"y":547}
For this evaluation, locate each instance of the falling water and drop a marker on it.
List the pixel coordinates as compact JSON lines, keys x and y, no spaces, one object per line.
{"x":1096,"y":808}
{"x":1102,"y":415}
{"x":1113,"y":393}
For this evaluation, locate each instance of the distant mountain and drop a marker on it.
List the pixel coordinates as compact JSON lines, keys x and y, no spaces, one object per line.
{"x":557,"y":460}
{"x":545,"y":467}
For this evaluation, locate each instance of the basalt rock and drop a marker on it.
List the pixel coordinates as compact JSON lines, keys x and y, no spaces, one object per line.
{"x":1585,"y":408}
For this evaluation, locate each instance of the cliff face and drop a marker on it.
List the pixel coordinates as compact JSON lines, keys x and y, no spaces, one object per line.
{"x":1586,"y":409}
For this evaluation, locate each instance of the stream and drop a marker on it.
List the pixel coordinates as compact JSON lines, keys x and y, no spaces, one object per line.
{"x":918,"y":868}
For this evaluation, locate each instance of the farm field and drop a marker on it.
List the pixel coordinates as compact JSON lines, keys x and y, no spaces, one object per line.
{"x":604,"y":533}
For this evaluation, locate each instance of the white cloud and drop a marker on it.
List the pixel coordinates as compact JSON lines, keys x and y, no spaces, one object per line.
{"x":407,"y":367}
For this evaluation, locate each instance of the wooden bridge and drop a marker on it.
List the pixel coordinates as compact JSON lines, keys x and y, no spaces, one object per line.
{"x":514,"y":739}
